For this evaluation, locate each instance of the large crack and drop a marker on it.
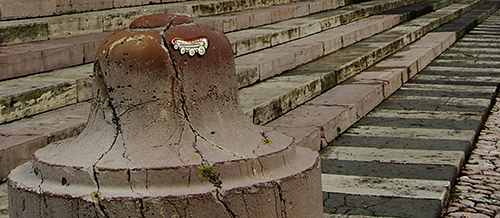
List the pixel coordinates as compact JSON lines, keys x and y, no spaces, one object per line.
{"x":101,"y":84}
{"x":175,"y":207}
{"x":182,"y":96}
{"x":281,"y":198}
{"x":183,"y":105}
{"x":221,"y":200}
{"x":141,"y":208}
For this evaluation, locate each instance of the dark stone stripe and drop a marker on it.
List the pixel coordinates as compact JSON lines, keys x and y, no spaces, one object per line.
{"x":467,"y":22}
{"x":444,"y":93}
{"x":335,"y":203}
{"x":401,"y":143}
{"x":421,"y":123}
{"x":388,"y":170}
{"x":421,"y":105}
{"x":416,"y":10}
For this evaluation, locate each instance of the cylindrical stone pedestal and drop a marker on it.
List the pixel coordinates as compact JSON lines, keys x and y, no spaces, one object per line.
{"x":166,"y":137}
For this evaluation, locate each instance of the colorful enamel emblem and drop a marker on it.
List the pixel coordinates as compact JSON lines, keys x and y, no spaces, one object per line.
{"x":191,"y":46}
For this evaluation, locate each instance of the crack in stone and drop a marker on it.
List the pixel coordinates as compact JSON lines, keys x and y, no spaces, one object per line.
{"x":220,"y":199}
{"x":281,"y":198}
{"x":261,"y":167}
{"x":244,"y":203}
{"x":175,"y":207}
{"x":189,"y":178}
{"x":136,"y":105}
{"x":130,"y":183}
{"x":115,"y":121}
{"x":141,"y":208}
{"x":185,"y":111}
{"x":38,"y":172}
{"x":101,"y":209}
{"x":146,"y":180}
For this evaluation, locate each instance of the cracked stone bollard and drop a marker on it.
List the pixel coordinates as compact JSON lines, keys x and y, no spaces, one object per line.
{"x":166,"y":137}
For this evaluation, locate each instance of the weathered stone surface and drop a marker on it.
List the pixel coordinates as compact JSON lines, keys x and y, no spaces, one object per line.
{"x":166,"y":129}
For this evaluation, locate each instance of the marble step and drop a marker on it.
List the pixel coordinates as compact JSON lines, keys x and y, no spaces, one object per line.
{"x":35,"y":57}
{"x":22,"y":97}
{"x":36,"y":8}
{"x":67,"y":25}
{"x":402,"y":158}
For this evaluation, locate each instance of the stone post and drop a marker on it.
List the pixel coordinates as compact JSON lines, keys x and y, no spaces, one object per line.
{"x":166,"y":137}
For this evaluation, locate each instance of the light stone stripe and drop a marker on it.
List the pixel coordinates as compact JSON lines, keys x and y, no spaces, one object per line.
{"x":465,"y":69}
{"x":477,"y":45}
{"x":487,"y":27}
{"x":469,"y":78}
{"x":394,"y":156}
{"x":482,"y":40}
{"x":434,"y":115}
{"x":448,"y":101}
{"x":484,"y":63}
{"x":469,"y":49}
{"x":473,"y":56}
{"x":446,"y":87}
{"x":488,"y":32}
{"x":418,"y":133}
{"x":373,"y":186}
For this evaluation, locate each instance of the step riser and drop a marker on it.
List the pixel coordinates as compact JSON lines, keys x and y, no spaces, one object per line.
{"x":23,"y":60}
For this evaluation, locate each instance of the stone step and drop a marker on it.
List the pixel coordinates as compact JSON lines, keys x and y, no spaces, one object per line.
{"x":359,"y":195}
{"x":67,"y":86}
{"x":36,"y":8}
{"x":66,"y":122}
{"x":273,"y":97}
{"x":402,"y":158}
{"x":67,"y":25}
{"x":29,"y":58}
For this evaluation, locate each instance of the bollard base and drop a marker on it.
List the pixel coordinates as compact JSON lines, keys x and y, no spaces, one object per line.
{"x":293,"y":195}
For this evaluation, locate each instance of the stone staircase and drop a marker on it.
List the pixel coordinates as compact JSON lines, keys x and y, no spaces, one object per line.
{"x":309,"y":68}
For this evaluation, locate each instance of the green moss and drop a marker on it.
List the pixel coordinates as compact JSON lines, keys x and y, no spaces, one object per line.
{"x":23,"y":33}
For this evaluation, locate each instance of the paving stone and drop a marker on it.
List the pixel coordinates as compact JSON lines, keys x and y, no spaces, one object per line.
{"x":465,"y":214}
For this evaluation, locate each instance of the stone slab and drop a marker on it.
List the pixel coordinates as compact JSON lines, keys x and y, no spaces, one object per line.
{"x":363,"y":98}
{"x":395,"y":156}
{"x":329,"y":120}
{"x":422,"y":189}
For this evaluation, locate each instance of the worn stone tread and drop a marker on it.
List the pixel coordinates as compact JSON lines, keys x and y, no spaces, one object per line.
{"x":29,"y":58}
{"x":324,"y":73}
{"x":75,"y":81}
{"x":423,"y":132}
{"x":37,"y":29}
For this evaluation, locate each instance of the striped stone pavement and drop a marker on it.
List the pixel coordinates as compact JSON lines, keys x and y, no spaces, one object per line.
{"x":401,"y":160}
